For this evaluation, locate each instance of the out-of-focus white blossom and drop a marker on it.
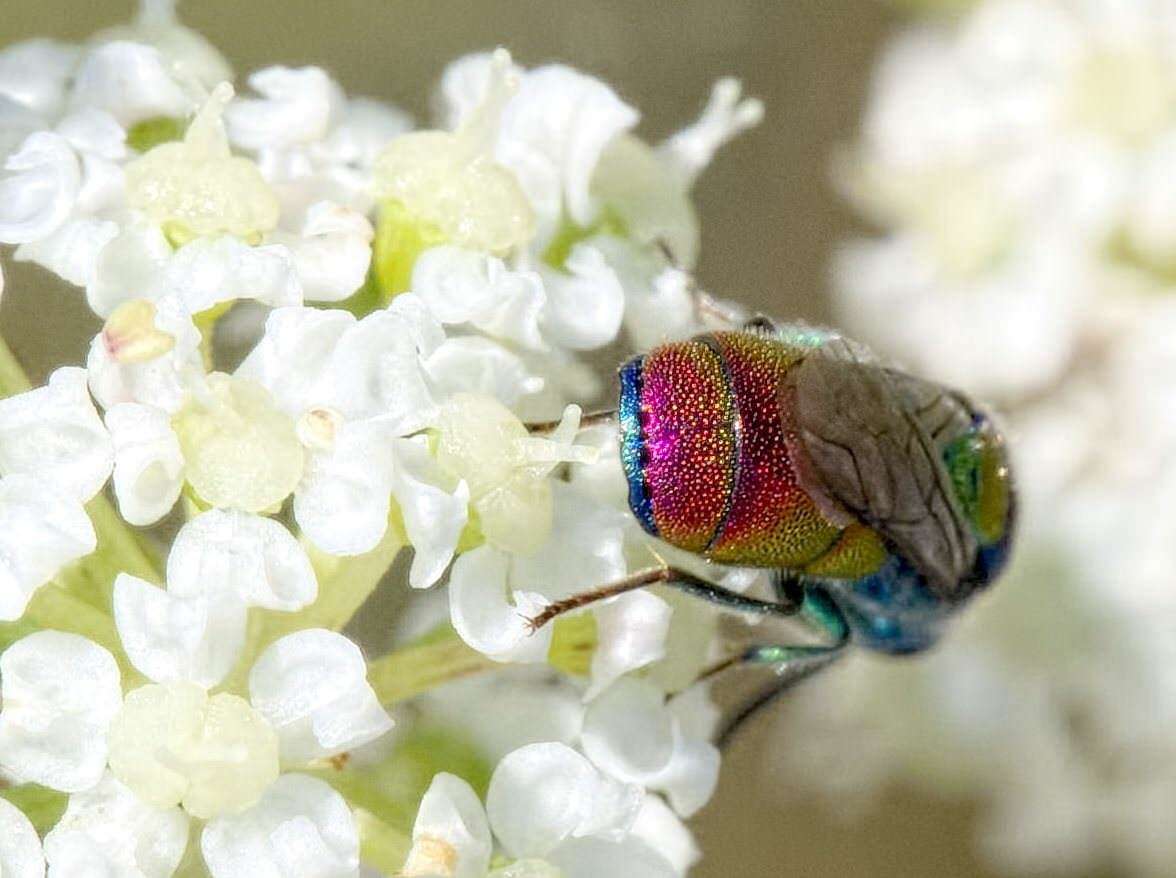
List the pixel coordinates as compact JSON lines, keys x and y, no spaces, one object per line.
{"x":1016,"y":159}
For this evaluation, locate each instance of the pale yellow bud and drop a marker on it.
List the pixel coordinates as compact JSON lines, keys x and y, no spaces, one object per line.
{"x":240,"y":450}
{"x":131,"y":336}
{"x":172,"y":744}
{"x":195,"y":187}
{"x":451,"y":181}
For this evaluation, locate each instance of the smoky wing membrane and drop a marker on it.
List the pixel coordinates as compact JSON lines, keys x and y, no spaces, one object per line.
{"x":868,"y":432}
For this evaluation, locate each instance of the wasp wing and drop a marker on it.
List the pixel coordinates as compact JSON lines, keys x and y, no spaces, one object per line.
{"x":874,"y":440}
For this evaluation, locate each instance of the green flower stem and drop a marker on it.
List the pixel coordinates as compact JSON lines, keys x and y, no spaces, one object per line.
{"x":407,"y":672}
{"x":12,"y":377}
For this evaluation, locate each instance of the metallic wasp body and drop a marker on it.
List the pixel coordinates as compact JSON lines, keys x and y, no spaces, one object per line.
{"x":885,"y":498}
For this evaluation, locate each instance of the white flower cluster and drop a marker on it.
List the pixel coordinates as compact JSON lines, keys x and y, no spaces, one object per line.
{"x":207,"y":716}
{"x":1020,"y":161}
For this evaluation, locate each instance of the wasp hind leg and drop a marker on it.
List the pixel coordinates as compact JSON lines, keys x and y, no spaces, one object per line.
{"x":791,"y":664}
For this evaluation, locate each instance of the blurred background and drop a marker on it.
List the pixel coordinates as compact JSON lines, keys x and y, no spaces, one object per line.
{"x":1037,"y":741}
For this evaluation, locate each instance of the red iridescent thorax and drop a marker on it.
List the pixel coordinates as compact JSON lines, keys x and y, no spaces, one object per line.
{"x":707,"y":452}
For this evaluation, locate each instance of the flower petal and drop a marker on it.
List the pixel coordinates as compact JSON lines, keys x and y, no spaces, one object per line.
{"x":433,"y":517}
{"x":255,"y":559}
{"x":631,"y":633}
{"x":343,"y":500}
{"x":212,"y":270}
{"x":552,"y":134}
{"x":542,"y":794}
{"x":468,"y":286}
{"x":130,"y":81}
{"x":40,"y":192}
{"x":450,"y":835}
{"x":292,"y":356}
{"x":298,"y":106}
{"x":593,"y":857}
{"x":54,"y":433}
{"x":71,"y":252}
{"x":301,"y":828}
{"x":20,"y":849}
{"x":483,"y":616}
{"x":60,"y":692}
{"x":41,"y":530}
{"x":178,"y":637}
{"x":332,"y":251}
{"x":312,"y":688}
{"x":585,"y":306}
{"x":108,"y":830}
{"x":629,"y":732}
{"x":148,"y":465}
{"x":472,"y":364}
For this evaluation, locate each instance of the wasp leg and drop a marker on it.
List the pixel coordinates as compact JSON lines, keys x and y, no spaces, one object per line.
{"x":672,"y":577}
{"x":591,"y":419}
{"x":791,"y":664}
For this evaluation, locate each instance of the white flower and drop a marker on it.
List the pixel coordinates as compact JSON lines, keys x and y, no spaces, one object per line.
{"x":20,"y":849}
{"x":41,"y":189}
{"x":192,"y":60}
{"x":451,"y":836}
{"x":312,"y":688}
{"x":54,"y":433}
{"x":107,"y":830}
{"x":41,"y":530}
{"x":542,"y":797}
{"x":301,"y":828}
{"x":130,"y":81}
{"x":298,"y":106}
{"x":148,"y":464}
{"x":452,"y":182}
{"x":221,"y":563}
{"x":313,"y":143}
{"x":461,"y":286}
{"x":631,"y":734}
{"x":60,"y":692}
{"x":552,"y":133}
{"x":331,"y":251}
{"x":586,"y":303}
{"x":354,"y":388}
